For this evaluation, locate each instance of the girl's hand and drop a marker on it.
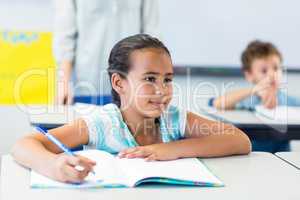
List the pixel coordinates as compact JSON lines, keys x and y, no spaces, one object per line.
{"x":65,"y":168}
{"x":150,"y":152}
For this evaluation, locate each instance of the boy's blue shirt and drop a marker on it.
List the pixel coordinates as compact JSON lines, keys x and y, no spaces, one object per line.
{"x":252,"y":101}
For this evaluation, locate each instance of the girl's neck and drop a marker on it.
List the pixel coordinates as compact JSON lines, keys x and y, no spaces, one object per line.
{"x":137,"y":123}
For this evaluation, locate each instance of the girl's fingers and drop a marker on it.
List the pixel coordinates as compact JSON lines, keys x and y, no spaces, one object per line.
{"x":138,"y":154}
{"x":150,"y":158}
{"x":74,"y":176}
{"x":81,"y":162}
{"x":122,"y":154}
{"x":86,"y":160}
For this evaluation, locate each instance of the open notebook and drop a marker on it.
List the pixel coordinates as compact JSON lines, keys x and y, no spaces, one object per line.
{"x":111,"y":171}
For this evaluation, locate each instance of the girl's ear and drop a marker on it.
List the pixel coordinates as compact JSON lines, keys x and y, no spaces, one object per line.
{"x":117,"y":83}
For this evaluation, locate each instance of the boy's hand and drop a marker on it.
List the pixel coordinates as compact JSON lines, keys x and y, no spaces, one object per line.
{"x":150,"y":152}
{"x":267,"y":91}
{"x":64,"y":168}
{"x":270,"y":99}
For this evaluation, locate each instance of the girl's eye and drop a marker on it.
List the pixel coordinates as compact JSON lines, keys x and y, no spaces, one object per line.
{"x":168,"y":80}
{"x":150,"y":79}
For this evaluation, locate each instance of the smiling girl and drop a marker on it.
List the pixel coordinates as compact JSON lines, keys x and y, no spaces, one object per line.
{"x":140,"y":123}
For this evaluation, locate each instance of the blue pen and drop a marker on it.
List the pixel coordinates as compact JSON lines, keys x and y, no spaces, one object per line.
{"x":57,"y":142}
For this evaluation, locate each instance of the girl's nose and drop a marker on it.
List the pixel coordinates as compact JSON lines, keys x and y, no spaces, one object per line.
{"x":158,"y":92}
{"x":160,"y":88}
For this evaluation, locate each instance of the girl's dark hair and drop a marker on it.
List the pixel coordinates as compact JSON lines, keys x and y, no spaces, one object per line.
{"x":119,"y":56}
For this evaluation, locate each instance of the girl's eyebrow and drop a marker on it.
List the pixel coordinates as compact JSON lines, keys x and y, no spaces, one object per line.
{"x":156,"y":73}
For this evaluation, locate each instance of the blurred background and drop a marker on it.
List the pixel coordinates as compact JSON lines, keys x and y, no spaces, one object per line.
{"x":204,"y":34}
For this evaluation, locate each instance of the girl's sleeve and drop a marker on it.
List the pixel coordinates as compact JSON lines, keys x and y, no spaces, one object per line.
{"x":176,"y":122}
{"x":182,"y":121}
{"x":65,"y":30}
{"x":96,"y":129}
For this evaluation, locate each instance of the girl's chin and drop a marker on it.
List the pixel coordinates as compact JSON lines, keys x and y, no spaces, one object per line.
{"x":153,"y":113}
{"x":152,"y":110}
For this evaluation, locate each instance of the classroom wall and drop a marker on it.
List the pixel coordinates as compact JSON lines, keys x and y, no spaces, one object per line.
{"x":37,"y":15}
{"x":213,"y":32}
{"x":33,"y":15}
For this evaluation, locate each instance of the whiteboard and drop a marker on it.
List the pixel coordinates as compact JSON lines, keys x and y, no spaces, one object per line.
{"x":214,"y":33}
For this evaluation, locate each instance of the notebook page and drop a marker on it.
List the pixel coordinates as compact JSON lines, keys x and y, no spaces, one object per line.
{"x":106,"y":173}
{"x":188,"y":169}
{"x":106,"y":168}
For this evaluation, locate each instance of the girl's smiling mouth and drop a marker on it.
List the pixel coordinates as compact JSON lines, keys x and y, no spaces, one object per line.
{"x":158,"y":104}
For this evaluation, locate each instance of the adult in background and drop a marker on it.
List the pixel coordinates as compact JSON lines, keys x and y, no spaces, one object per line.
{"x":84,"y":33}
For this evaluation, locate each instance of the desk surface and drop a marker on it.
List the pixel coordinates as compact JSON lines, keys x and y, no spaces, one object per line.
{"x":254,"y":176}
{"x":256,"y":126}
{"x":13,"y":125}
{"x":53,"y":116}
{"x":292,"y":158}
{"x":244,"y":117}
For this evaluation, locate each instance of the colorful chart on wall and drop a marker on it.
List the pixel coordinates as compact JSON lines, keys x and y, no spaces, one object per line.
{"x":27,"y":69}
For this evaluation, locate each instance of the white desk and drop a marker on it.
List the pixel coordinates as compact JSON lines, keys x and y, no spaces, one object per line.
{"x":255,"y":176}
{"x":244,"y":117}
{"x":256,"y":126}
{"x":293,"y":158}
{"x":14,"y":124}
{"x":53,"y":116}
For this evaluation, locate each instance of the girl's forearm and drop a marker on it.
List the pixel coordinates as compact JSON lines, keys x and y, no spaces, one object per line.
{"x":212,"y":145}
{"x":33,"y":154}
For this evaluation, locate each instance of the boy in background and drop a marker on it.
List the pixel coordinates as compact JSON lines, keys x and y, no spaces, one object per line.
{"x":262,"y":66}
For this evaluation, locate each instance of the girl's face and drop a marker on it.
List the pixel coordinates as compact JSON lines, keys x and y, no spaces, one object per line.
{"x":149,"y":82}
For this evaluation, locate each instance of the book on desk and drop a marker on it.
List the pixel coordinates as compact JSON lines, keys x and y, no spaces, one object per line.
{"x":111,"y":171}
